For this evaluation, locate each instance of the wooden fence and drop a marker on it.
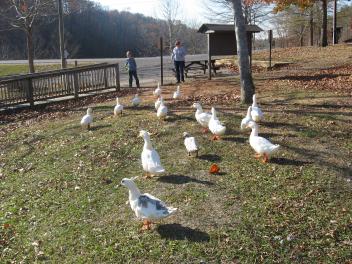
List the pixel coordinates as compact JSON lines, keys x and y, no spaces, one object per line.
{"x":40,"y":86}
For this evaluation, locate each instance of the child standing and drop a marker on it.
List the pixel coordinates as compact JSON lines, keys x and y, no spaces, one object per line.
{"x":132,"y":69}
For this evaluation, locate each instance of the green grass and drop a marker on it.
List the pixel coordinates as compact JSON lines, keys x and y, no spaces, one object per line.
{"x":60,"y":203}
{"x":14,"y":69}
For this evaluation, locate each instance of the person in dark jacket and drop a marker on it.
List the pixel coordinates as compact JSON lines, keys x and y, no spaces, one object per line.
{"x":178,"y":57}
{"x":132,"y":69}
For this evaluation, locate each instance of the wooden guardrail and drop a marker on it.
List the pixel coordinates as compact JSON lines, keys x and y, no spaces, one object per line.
{"x":40,"y":86}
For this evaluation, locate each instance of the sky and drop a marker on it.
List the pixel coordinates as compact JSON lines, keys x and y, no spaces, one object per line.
{"x":189,"y":9}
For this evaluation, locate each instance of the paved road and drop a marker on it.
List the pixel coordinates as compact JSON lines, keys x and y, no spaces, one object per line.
{"x":148,"y":67}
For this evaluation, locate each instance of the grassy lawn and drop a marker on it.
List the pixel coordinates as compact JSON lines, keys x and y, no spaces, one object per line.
{"x":14,"y":69}
{"x":60,"y":202}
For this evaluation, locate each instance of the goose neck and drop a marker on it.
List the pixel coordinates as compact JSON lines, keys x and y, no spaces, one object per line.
{"x":133,"y":193}
{"x":147,"y":143}
{"x":254,"y":132}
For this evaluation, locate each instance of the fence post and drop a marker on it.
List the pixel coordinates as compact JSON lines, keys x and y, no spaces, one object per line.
{"x":76,"y":63}
{"x":117,"y":74}
{"x":161,"y":62}
{"x":105,"y":79}
{"x":209,"y":58}
{"x":75,"y":84}
{"x":29,"y":88}
{"x":270,"y":46}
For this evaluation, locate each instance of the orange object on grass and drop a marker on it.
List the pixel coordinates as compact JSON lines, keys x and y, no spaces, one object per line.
{"x":214,"y":169}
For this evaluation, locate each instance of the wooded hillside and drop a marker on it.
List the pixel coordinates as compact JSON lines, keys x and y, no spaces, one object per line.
{"x":92,"y":32}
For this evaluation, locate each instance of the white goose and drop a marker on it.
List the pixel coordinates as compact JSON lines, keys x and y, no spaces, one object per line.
{"x":157,"y":103}
{"x":215,"y":125}
{"x":162,"y":110}
{"x":157,"y":91}
{"x":177,"y":94}
{"x":247,"y":119}
{"x":136,"y":100}
{"x":118,"y":107}
{"x":146,"y":207}
{"x":87,"y":119}
{"x":190,"y":144}
{"x":256,"y":113}
{"x":261,"y":146}
{"x":201,"y":116}
{"x":150,"y":158}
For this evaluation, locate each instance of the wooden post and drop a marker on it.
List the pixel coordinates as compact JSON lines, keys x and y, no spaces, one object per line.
{"x":105,"y":79}
{"x":209,"y":58}
{"x":61,"y":34}
{"x":270,"y":46}
{"x":29,"y":88}
{"x":75,"y":84}
{"x":117,"y":74}
{"x":161,"y":62}
{"x":76,"y":63}
{"x":334,"y":31}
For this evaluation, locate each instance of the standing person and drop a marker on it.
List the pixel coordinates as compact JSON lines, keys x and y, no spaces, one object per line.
{"x":132,"y":69}
{"x":178,"y":56}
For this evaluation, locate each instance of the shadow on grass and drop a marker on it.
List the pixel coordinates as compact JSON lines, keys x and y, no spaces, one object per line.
{"x":181,"y":179}
{"x":138,"y":108}
{"x":173,"y":118}
{"x":235,"y":139}
{"x":210,"y":157}
{"x":179,"y":232}
{"x":94,"y":128}
{"x":284,"y":161}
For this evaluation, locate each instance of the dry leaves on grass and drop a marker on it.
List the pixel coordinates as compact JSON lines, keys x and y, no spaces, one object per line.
{"x":338,"y":79}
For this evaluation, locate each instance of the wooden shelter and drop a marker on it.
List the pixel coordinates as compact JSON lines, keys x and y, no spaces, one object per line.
{"x":222,"y":39}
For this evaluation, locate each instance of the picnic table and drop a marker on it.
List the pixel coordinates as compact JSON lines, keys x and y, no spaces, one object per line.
{"x":198,"y":65}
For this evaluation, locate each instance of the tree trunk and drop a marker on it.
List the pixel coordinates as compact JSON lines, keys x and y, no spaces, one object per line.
{"x":311,"y":25}
{"x":324,"y":30}
{"x":30,"y":50}
{"x":170,"y":27}
{"x":247,"y":86}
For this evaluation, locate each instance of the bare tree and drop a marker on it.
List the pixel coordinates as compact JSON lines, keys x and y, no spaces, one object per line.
{"x":22,"y":14}
{"x":169,"y":11}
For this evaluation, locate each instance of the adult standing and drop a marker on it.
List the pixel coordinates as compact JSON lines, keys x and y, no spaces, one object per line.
{"x":178,"y":57}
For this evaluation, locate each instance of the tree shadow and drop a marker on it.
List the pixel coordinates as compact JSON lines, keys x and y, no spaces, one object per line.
{"x":235,"y":139}
{"x":179,"y":232}
{"x":138,"y":108}
{"x":174,"y":118}
{"x":210,"y":157}
{"x":284,"y":161}
{"x":95,"y":128}
{"x":181,"y":179}
{"x":310,"y":77}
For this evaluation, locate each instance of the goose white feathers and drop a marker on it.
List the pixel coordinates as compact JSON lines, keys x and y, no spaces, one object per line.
{"x":247,"y":119}
{"x":215,"y":125}
{"x":136,"y":100}
{"x":201,"y":116}
{"x":87,"y":119}
{"x":261,"y":146}
{"x":157,"y":103}
{"x":162,"y":110}
{"x":157,"y":91}
{"x":145,"y":206}
{"x":177,"y":93}
{"x":150,"y":158}
{"x":190,"y":144}
{"x":118,"y":107}
{"x":256,"y":112}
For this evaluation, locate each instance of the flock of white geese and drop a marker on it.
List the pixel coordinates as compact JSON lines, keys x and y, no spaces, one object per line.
{"x":149,"y":208}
